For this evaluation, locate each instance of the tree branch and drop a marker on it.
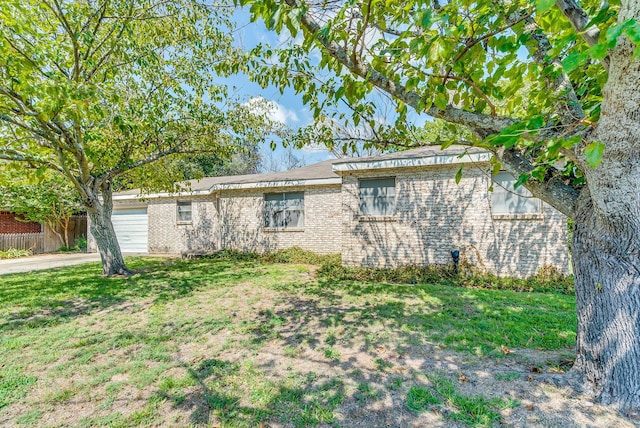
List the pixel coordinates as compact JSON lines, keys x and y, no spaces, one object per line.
{"x":17,"y":156}
{"x":108,"y":175}
{"x":59,"y":14}
{"x":474,"y":41}
{"x":27,"y":57}
{"x":569,"y":110}
{"x":579,"y":19}
{"x":554,"y":191}
{"x":489,"y":124}
{"x":558,"y":194}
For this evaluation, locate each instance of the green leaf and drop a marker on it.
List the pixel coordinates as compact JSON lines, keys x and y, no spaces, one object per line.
{"x":572,"y":61}
{"x":633,"y":32}
{"x":440,"y":101}
{"x":521,"y":180}
{"x":614,"y":32}
{"x":544,"y":5}
{"x":593,"y":153}
{"x":459,"y":175}
{"x":535,"y":123}
{"x":598,"y":51}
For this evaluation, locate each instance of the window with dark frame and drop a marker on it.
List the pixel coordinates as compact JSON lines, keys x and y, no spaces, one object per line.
{"x":184,"y":211}
{"x":507,"y":200}
{"x":377,"y":196}
{"x":284,"y":210}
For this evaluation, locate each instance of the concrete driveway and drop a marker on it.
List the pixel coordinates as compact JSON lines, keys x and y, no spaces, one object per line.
{"x":45,"y":261}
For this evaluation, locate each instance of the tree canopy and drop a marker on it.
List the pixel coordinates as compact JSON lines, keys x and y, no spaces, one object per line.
{"x":47,"y":198}
{"x":99,"y":91}
{"x":524,"y":76}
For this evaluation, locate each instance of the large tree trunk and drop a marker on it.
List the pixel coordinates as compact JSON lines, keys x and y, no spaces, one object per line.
{"x":606,"y":244}
{"x":607,"y":272}
{"x":102,"y":230}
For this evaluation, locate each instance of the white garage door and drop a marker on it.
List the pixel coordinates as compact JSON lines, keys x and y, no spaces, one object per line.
{"x":132,"y":229}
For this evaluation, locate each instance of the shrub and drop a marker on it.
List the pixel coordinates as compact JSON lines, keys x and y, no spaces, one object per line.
{"x":548,"y":279}
{"x":81,"y":244}
{"x":227,"y":254}
{"x":300,"y":256}
{"x":14,"y":253}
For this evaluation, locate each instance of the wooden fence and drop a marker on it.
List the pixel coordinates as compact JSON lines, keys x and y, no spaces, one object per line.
{"x":77,"y":229}
{"x":23,"y":241}
{"x":47,"y":241}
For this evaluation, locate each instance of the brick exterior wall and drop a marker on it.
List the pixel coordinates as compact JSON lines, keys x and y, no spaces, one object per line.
{"x":242,"y":221}
{"x":10,"y":225}
{"x":434,"y":215}
{"x":235,"y":220}
{"x":167,"y":235}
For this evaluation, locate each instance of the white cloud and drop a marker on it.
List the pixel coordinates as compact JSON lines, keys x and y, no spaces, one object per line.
{"x":275,"y":111}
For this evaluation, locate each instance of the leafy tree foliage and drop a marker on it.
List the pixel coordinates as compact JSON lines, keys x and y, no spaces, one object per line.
{"x":99,"y":91}
{"x":48,"y":199}
{"x":551,"y":87}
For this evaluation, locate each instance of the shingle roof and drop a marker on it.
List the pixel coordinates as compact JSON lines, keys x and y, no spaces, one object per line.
{"x":319,"y":171}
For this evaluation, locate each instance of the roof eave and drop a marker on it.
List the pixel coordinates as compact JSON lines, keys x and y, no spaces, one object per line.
{"x":235,"y":186}
{"x":433,"y":160}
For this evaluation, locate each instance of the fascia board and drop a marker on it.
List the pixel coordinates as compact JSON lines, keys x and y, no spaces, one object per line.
{"x":412,"y":162}
{"x":235,"y":186}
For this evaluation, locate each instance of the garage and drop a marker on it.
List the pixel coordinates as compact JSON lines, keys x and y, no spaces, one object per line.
{"x":132,"y":229}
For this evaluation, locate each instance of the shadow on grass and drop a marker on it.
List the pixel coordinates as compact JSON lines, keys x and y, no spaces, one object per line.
{"x":474,"y":320}
{"x":54,"y":296}
{"x":217,"y":397}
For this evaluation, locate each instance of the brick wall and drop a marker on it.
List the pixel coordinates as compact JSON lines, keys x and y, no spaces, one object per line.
{"x":166,"y":235}
{"x":235,"y":220}
{"x":242,"y":221}
{"x":10,"y":225}
{"x":435,"y":215}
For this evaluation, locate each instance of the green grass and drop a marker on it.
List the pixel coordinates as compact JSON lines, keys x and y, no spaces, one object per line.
{"x":420,"y":399}
{"x":240,"y":341}
{"x":476,"y":411}
{"x":14,"y":385}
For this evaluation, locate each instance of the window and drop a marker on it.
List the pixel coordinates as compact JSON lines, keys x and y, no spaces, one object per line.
{"x":184,"y":211}
{"x":505,"y":200}
{"x":284,"y":210}
{"x":378,"y":197}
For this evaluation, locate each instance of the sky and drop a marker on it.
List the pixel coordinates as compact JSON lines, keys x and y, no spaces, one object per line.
{"x":288,"y":107}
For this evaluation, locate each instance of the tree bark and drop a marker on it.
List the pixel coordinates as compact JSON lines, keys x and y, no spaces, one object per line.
{"x":102,"y":230}
{"x":65,"y":227}
{"x":606,"y":243}
{"x":607,"y":272}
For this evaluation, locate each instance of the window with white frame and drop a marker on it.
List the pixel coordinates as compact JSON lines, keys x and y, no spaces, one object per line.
{"x":184,"y":211}
{"x":284,"y":210}
{"x":377,"y":196}
{"x":507,"y":200}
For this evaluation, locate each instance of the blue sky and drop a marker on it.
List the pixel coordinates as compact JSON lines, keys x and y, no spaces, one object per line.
{"x":288,"y":106}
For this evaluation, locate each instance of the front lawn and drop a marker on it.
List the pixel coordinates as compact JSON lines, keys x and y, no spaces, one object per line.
{"x":243,"y":343}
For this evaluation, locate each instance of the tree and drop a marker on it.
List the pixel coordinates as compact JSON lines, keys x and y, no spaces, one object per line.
{"x":49,"y":199}
{"x":101,"y":91}
{"x":211,"y":165}
{"x":287,"y":160}
{"x":552,"y":88}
